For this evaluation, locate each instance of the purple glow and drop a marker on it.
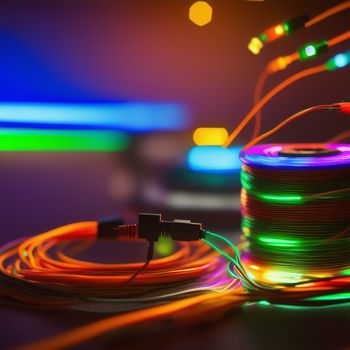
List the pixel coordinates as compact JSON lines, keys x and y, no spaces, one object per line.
{"x":269,"y":156}
{"x":218,"y":277}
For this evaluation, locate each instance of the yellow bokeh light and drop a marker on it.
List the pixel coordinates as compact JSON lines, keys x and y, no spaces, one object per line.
{"x":279,"y":30}
{"x":210,"y":136}
{"x":201,"y":13}
{"x":255,"y":45}
{"x":246,"y":230}
{"x":278,"y":64}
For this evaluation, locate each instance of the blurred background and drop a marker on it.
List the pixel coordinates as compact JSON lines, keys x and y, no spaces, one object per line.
{"x":152,"y":76}
{"x":99,"y":101}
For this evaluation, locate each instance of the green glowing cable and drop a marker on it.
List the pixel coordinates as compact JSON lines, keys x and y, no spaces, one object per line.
{"x":330,"y":297}
{"x":265,"y":303}
{"x":227,"y":241}
{"x":245,"y":277}
{"x":224,"y":254}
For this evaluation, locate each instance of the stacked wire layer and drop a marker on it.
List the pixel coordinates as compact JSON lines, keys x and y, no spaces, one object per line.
{"x":296,"y":211}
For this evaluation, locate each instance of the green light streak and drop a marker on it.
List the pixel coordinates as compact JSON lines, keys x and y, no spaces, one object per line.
{"x":278,"y":242}
{"x":281,"y":198}
{"x":265,"y":303}
{"x":245,"y":181}
{"x":330,"y":297}
{"x":19,"y":140}
{"x":345,"y":273}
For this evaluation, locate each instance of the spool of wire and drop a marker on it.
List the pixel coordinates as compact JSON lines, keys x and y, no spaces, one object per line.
{"x":296,"y":212}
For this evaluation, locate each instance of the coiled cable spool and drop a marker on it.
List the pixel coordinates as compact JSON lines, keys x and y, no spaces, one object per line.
{"x":296,"y":212}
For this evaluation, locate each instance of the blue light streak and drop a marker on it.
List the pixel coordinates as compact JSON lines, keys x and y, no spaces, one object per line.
{"x":133,"y":117}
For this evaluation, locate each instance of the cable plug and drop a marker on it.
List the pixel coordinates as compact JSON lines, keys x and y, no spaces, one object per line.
{"x":151,"y":227}
{"x":345,"y":107}
{"x":342,"y":107}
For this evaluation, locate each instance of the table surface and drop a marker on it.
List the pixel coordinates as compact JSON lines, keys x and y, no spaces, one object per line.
{"x":253,"y":327}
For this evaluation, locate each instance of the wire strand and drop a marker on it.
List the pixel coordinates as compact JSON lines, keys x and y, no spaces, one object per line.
{"x":264,"y":75}
{"x":269,"y":95}
{"x":328,"y":13}
{"x":284,"y":123}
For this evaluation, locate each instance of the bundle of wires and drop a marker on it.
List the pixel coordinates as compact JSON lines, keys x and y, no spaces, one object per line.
{"x":295,"y":209}
{"x":195,"y":283}
{"x":43,"y":270}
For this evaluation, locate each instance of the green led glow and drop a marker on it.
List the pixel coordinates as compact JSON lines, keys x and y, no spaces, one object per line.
{"x":331,"y":297}
{"x":245,"y":180}
{"x":286,"y":28}
{"x":263,"y":37}
{"x":62,"y":140}
{"x":165,"y":246}
{"x":310,"y":51}
{"x":278,"y":242}
{"x":281,"y":198}
{"x":345,"y":272}
{"x":313,"y":50}
{"x":307,"y":51}
{"x":246,"y":183}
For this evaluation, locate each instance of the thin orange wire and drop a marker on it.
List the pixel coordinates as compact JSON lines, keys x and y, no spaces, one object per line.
{"x":269,"y":95}
{"x":257,"y":96}
{"x":33,"y":262}
{"x":330,"y":12}
{"x":267,"y":72}
{"x":340,"y":137}
{"x":339,"y":38}
{"x":95,"y":329}
{"x":285,"y":122}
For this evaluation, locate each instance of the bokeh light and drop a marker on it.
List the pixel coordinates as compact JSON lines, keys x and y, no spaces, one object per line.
{"x":210,"y":136}
{"x":201,"y":13}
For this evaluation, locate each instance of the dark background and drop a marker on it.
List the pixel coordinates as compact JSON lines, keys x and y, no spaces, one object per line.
{"x":104,"y":50}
